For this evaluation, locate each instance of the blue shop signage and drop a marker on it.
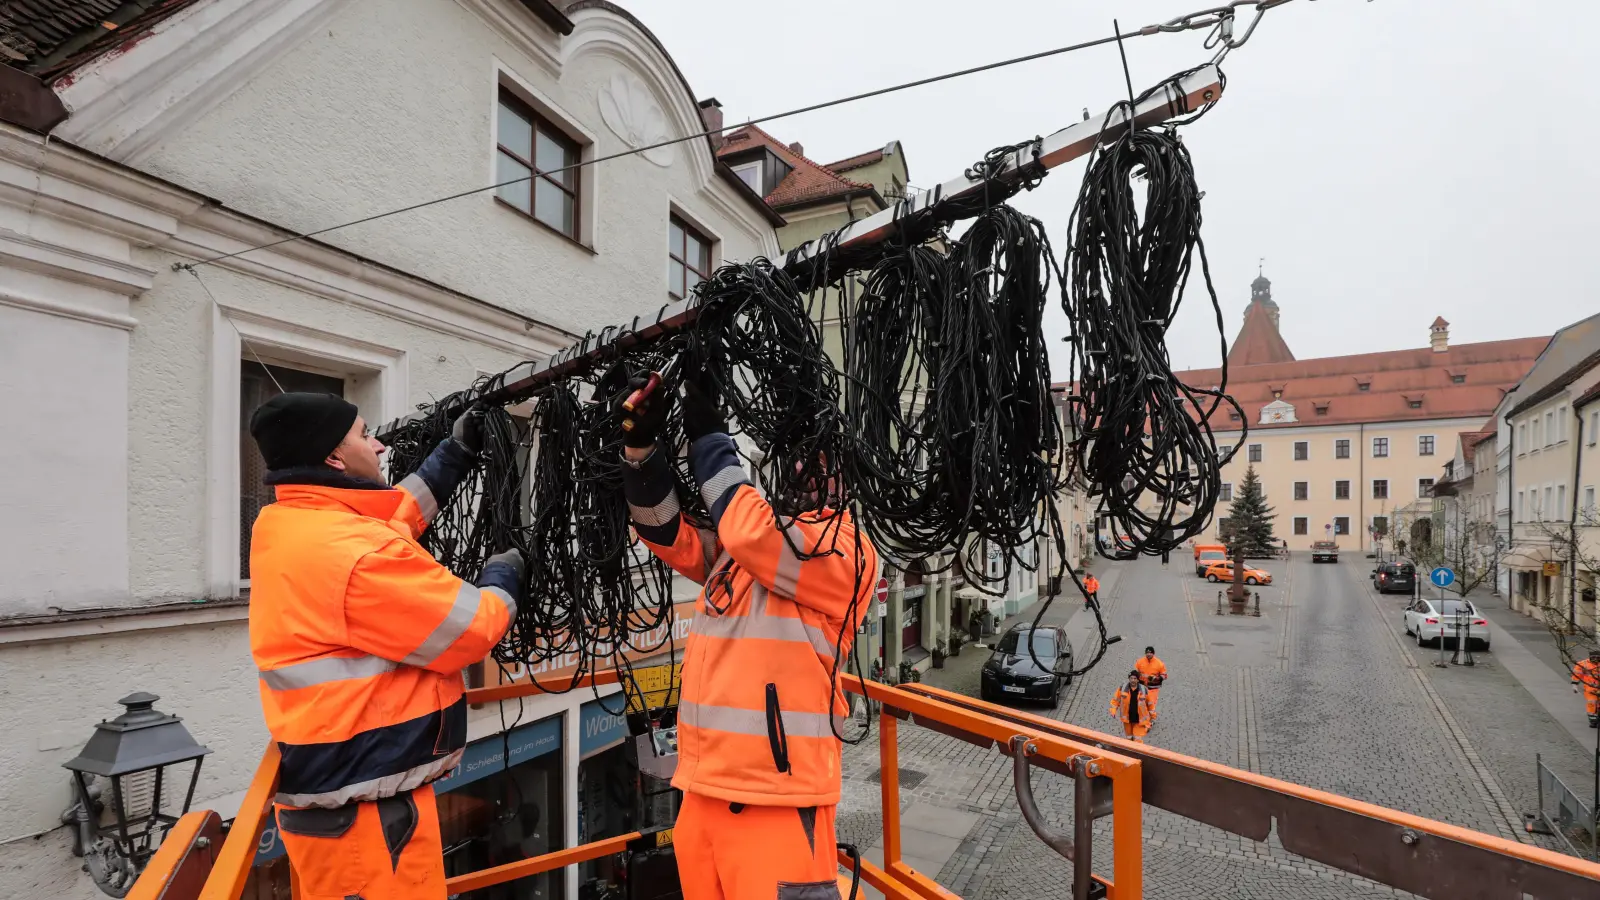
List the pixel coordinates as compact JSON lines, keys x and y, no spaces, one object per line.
{"x":600,"y":729}
{"x":479,"y":760}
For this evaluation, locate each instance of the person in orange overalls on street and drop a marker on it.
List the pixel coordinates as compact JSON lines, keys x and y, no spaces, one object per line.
{"x":1586,"y":672}
{"x":1152,"y":674}
{"x":1131,"y":707}
{"x":1091,"y":584}
{"x":359,"y":638}
{"x":761,"y":712}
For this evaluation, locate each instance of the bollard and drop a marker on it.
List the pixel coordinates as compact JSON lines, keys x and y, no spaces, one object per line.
{"x":1219,"y":603}
{"x":1257,"y":613}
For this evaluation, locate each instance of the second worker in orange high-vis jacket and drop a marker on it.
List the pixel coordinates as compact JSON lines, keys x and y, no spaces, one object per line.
{"x":761,"y":710}
{"x":1586,"y":674}
{"x":359,"y":638}
{"x":1131,"y":707}
{"x":1152,"y":674}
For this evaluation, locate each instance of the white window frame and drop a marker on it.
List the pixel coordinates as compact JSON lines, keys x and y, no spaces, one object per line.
{"x":1561,"y":423}
{"x":740,"y":169}
{"x":1336,"y":531}
{"x":1296,"y":526}
{"x":1594,"y":428}
{"x":1347,"y":493}
{"x":1522,"y":506}
{"x":1336,"y":448}
{"x":382,"y":370}
{"x":1255,"y":453}
{"x":1588,"y":500}
{"x":1561,"y":499}
{"x":1226,"y":494}
{"x":1387,"y":446}
{"x":1298,"y":445}
{"x":1373,"y":489}
{"x":1430,"y":437}
{"x":1431,"y":483}
{"x":1295,"y":489}
{"x":1522,"y":438}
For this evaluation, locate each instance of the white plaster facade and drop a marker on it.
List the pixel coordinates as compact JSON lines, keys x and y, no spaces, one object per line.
{"x":235,"y":124}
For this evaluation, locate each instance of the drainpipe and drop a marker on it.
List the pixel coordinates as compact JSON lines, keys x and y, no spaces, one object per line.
{"x":1572,"y":528}
{"x":1511,"y":502}
{"x":1361,"y":486}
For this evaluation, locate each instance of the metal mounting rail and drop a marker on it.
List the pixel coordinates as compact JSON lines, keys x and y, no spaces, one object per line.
{"x":1174,"y":99}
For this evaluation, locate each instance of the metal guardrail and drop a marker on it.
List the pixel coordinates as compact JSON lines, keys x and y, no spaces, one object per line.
{"x":1115,"y":778}
{"x":1564,"y":814}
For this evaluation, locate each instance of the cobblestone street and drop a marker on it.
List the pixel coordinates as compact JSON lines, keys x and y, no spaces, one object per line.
{"x":1319,"y":690}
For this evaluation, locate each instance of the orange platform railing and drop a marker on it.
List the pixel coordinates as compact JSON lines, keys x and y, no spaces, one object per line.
{"x":1112,"y":777}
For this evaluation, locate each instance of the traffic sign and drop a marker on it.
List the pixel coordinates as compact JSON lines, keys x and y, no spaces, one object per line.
{"x":1441,"y":577}
{"x":883,"y":597}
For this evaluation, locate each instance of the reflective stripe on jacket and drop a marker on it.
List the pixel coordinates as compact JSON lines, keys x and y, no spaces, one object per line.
{"x":759,"y":712}
{"x":1119,"y":706}
{"x":1587,"y":673}
{"x":359,"y":635}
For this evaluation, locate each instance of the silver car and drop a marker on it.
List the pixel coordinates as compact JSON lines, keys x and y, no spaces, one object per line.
{"x":1432,"y":621}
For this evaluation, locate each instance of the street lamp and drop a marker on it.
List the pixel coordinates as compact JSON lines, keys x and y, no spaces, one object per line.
{"x":133,"y":752}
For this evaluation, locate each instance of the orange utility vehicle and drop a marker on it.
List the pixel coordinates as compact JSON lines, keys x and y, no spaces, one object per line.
{"x":1206,"y":556}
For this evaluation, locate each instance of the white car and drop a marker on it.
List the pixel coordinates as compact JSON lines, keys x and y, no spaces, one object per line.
{"x":1429,"y":624}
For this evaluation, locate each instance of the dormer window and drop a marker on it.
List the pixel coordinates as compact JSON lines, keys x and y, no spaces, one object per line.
{"x":1458,"y":378}
{"x":750,"y":174}
{"x":1363,"y":386}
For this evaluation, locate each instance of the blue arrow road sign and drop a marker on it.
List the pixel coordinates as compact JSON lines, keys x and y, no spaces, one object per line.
{"x":1441,"y":577}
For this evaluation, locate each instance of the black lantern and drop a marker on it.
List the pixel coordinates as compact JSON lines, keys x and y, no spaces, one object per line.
{"x":134,"y":753}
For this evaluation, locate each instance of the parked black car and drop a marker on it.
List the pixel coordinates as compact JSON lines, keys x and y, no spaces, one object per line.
{"x":1012,"y":673}
{"x":1395,"y":578}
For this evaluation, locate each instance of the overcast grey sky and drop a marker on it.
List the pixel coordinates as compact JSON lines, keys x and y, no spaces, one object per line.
{"x":1392,"y":160}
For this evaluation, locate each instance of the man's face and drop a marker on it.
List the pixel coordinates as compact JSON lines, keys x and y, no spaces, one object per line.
{"x":358,"y":453}
{"x":1149,"y":654}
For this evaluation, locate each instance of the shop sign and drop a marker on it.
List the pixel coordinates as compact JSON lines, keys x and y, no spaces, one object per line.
{"x":1552,"y":569}
{"x":914,"y":591}
{"x":599,"y":728}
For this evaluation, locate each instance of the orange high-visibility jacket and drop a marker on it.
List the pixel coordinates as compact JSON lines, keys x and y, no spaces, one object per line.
{"x":1587,"y":673}
{"x":1150,"y":667}
{"x":360,"y":636}
{"x":1091,"y":584}
{"x":1119,"y":706}
{"x":759,"y":709}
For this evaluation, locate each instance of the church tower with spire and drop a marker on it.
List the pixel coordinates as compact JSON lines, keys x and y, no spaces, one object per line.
{"x":1259,"y":341}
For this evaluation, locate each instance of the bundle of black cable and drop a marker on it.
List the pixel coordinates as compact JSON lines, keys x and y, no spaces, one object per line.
{"x":763,"y":355}
{"x":1145,"y":445}
{"x":991,"y":393}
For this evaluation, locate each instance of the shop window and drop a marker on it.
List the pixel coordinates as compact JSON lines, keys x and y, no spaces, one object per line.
{"x":257,"y":384}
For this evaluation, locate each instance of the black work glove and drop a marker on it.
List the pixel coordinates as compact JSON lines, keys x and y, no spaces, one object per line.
{"x":468,"y":430}
{"x":701,"y":415}
{"x":642,"y":427}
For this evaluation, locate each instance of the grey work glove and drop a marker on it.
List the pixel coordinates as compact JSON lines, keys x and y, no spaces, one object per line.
{"x":468,"y":430}
{"x":512,"y":558}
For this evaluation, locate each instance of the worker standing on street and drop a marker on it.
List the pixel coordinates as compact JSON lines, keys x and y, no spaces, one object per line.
{"x":1131,"y":707}
{"x":359,"y":637}
{"x":758,"y":752}
{"x":1091,"y":584}
{"x":1152,"y":674}
{"x":1586,"y":672}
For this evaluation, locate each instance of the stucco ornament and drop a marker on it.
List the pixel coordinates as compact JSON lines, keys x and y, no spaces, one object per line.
{"x":632,"y":114}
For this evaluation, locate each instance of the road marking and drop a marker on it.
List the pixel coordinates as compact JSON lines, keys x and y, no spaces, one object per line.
{"x":1247,"y":755}
{"x":1506,"y":819}
{"x":1201,"y":656}
{"x":1286,"y":634}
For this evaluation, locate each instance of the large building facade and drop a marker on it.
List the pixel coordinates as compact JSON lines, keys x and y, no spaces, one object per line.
{"x":198,"y":129}
{"x":1348,"y":446}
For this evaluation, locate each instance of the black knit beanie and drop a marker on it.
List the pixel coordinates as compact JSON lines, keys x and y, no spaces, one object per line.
{"x":301,"y":429}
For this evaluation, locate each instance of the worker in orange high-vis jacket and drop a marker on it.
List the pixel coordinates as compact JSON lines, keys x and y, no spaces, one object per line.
{"x":359,"y":638}
{"x":1152,"y":674}
{"x":1131,"y":707}
{"x":1586,"y":673}
{"x":1091,"y":585}
{"x":758,"y":751}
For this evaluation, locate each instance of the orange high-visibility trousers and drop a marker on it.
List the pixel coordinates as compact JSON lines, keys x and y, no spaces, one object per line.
{"x":756,"y":853}
{"x":378,"y":850}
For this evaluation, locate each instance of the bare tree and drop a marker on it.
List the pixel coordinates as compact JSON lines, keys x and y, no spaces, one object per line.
{"x":1467,"y":545}
{"x":1567,"y":546}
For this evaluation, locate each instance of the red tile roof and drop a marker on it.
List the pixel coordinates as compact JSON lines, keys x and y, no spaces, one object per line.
{"x":1259,"y":342}
{"x":1395,"y":380}
{"x":1587,"y":397}
{"x":857,"y":161}
{"x":808,"y":182}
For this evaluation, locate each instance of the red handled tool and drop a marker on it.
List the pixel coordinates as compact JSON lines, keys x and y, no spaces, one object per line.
{"x":640,"y":396}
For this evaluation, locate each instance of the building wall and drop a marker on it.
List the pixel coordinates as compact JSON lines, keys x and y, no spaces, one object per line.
{"x":1403,"y":469}
{"x":121,"y":543}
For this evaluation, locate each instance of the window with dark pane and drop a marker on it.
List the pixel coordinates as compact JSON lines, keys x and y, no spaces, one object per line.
{"x":532,"y":149}
{"x":688,"y":258}
{"x":256,"y":386}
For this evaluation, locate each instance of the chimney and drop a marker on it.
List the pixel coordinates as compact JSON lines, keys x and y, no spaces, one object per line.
{"x":711,"y":118}
{"x":1439,"y":335}
{"x":796,"y":149}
